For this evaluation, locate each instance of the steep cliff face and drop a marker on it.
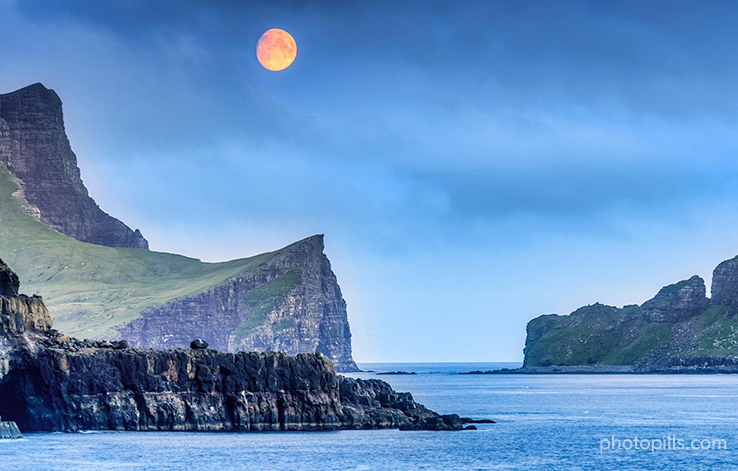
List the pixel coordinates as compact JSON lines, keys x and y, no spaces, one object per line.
{"x":292,"y":303}
{"x":53,"y":382}
{"x":679,"y":329}
{"x":725,"y":284}
{"x":288,"y":300}
{"x":677,"y":302}
{"x":19,"y":313}
{"x":35,"y":148}
{"x":72,"y":385}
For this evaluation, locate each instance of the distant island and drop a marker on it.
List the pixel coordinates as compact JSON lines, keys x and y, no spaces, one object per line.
{"x":680,"y":330}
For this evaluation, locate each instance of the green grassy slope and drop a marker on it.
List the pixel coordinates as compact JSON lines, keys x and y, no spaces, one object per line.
{"x":265,"y":299}
{"x":594,"y":334}
{"x":88,"y":288}
{"x":606,"y":335}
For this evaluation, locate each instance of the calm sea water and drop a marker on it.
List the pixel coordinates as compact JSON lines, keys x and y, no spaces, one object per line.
{"x":543,"y":422}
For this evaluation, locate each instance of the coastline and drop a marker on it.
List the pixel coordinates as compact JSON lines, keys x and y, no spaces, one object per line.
{"x":606,"y":370}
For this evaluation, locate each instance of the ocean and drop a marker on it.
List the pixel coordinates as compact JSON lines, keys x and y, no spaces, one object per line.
{"x":544,"y":422}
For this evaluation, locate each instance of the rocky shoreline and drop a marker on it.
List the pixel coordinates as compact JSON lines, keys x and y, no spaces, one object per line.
{"x":52,"y":382}
{"x":611,"y":369}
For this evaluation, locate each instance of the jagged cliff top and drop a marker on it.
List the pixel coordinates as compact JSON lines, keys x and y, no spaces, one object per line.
{"x":679,"y":325}
{"x":34,"y":89}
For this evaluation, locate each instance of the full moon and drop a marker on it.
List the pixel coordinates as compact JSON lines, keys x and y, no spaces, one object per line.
{"x":276,"y":49}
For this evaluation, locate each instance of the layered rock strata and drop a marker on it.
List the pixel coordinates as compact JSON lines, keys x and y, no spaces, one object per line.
{"x":35,"y":148}
{"x":291,"y":304}
{"x":52,"y":382}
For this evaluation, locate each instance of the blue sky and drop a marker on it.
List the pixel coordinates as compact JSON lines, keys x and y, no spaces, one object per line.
{"x":473,"y":164}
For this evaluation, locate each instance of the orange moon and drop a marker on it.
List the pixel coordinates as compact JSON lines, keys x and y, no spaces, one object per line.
{"x":276,"y":49}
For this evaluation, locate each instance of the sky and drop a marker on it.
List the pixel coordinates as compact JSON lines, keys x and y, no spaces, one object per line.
{"x":472,"y":164}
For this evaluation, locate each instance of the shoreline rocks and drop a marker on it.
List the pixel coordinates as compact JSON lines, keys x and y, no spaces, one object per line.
{"x":9,"y":430}
{"x":52,"y":382}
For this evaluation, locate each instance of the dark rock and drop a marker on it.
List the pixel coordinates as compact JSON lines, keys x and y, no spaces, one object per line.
{"x":123,"y":344}
{"x":471,"y":427}
{"x":21,"y":314}
{"x":468,"y":420}
{"x":198,"y":344}
{"x":37,"y":152}
{"x":50,"y":382}
{"x":8,"y":281}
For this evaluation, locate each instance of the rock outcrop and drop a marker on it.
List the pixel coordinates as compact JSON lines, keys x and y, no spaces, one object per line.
{"x":680,"y":329}
{"x":35,"y":148}
{"x":9,"y":282}
{"x":292,"y":304}
{"x":57,"y":383}
{"x":18,"y":312}
{"x":677,"y":302}
{"x":725,"y":284}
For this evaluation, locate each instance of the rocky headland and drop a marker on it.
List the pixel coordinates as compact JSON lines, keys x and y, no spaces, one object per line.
{"x":83,"y":262}
{"x":292,"y":304}
{"x":680,"y":330}
{"x":52,"y":382}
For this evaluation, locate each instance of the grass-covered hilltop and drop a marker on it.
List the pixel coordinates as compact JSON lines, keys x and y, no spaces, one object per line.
{"x":680,"y":329}
{"x":101,"y":281}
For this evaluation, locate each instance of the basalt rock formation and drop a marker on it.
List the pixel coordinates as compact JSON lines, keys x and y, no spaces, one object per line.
{"x":18,"y":312}
{"x":288,"y":300}
{"x":57,"y":383}
{"x":679,"y":330}
{"x":35,"y":148}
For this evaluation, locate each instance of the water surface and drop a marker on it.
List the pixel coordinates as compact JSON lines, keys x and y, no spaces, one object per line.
{"x":544,"y":422}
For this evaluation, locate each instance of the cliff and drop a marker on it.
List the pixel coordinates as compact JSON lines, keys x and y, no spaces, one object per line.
{"x":18,"y":312}
{"x":287,"y":300}
{"x":292,"y":304}
{"x":35,"y":148}
{"x":57,"y":383}
{"x":680,"y":329}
